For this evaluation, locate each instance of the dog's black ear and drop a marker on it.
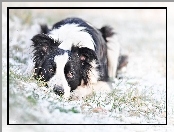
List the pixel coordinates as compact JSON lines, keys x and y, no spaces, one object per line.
{"x":107,"y":31}
{"x":44,"y":28}
{"x":43,"y":45}
{"x":43,"y":42}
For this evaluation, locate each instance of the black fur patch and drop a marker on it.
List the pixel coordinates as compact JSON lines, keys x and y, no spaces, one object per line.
{"x":78,"y":66}
{"x":45,"y":49}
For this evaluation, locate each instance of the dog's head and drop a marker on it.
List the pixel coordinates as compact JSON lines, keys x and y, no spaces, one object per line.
{"x":63,"y":70}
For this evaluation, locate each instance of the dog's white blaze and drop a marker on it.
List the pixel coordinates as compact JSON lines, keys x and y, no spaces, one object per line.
{"x":59,"y":77}
{"x":93,"y":73}
{"x":71,"y":34}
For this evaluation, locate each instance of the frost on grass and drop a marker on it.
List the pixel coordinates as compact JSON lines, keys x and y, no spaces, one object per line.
{"x":133,"y":100}
{"x":126,"y":104}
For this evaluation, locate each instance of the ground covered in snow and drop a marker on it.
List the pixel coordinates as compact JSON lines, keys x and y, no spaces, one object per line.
{"x":138,"y":98}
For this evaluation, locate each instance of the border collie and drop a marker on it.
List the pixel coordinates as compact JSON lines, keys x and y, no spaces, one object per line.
{"x":74,"y":56}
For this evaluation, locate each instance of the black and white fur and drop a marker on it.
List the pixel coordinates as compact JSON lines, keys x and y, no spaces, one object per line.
{"x":75,"y":56}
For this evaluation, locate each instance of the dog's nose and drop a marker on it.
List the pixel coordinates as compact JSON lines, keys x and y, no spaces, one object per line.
{"x":58,"y":90}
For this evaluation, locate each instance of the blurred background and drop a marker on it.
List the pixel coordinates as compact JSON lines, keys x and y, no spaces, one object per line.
{"x":141,"y":32}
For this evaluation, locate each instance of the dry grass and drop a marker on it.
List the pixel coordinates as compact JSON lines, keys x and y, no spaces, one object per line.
{"x":138,"y":98}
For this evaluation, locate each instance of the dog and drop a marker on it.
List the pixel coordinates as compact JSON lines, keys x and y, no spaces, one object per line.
{"x":76,"y":57}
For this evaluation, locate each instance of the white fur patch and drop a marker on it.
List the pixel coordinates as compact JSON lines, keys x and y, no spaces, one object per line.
{"x":93,"y":73}
{"x":59,"y":77}
{"x":83,"y":91}
{"x":71,"y":34}
{"x":113,"y":54}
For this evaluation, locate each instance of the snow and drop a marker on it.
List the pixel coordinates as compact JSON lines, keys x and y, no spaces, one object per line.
{"x":145,"y":80}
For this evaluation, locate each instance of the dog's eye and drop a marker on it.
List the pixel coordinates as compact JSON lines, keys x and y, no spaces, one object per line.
{"x":69,"y":75}
{"x":51,"y":70}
